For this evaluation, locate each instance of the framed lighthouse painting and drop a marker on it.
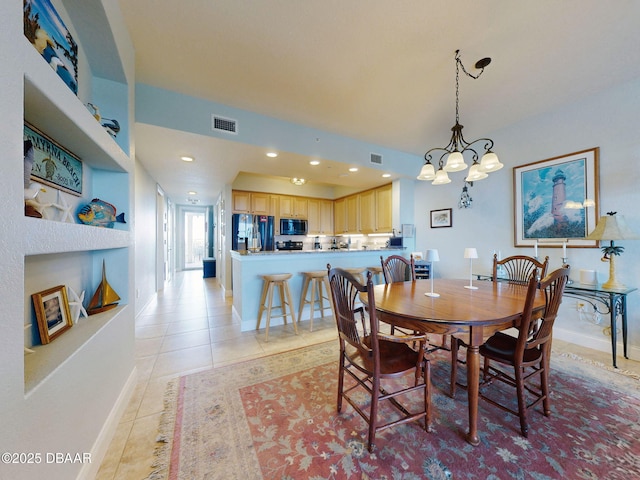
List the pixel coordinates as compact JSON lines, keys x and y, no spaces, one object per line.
{"x":556,"y":201}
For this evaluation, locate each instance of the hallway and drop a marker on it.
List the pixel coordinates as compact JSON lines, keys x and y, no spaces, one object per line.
{"x":188,"y":327}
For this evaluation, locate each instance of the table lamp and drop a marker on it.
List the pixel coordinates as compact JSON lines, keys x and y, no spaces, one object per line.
{"x":470,"y":253}
{"x":432,"y":256}
{"x":612,"y":227}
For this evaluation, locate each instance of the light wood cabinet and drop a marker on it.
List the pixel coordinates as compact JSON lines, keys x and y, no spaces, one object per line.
{"x":241,"y":202}
{"x":353,"y":214}
{"x":340,"y":216}
{"x":368,"y":211}
{"x":383,"y":210}
{"x":253,"y":202}
{"x":320,"y":216}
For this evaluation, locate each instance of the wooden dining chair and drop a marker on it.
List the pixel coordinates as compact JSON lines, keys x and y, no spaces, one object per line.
{"x":523,"y":361}
{"x":396,"y":268}
{"x":518,"y":270}
{"x":371,"y":358}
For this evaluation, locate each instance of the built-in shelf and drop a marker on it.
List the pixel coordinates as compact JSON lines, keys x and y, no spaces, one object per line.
{"x":46,"y":359}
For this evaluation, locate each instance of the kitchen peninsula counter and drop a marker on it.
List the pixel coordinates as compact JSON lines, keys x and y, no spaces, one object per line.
{"x":248,"y":268}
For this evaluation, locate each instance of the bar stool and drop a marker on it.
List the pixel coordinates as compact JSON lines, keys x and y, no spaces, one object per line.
{"x":314,"y":281}
{"x":271,"y":283}
{"x":376,"y":273}
{"x":357,"y":272}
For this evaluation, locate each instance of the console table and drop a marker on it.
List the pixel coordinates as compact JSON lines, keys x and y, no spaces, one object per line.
{"x":614,"y":302}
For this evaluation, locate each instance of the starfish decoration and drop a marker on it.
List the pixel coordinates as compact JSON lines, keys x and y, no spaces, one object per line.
{"x":75,"y":303}
{"x":62,"y":205}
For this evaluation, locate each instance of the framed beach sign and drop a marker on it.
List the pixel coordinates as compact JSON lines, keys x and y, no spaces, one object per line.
{"x":52,"y":311}
{"x":53,"y":164}
{"x":46,"y":31}
{"x":556,"y":200}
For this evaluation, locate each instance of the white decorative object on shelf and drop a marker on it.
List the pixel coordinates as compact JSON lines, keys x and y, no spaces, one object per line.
{"x":75,"y":304}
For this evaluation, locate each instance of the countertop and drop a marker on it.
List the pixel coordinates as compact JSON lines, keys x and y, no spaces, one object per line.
{"x":299,"y":252}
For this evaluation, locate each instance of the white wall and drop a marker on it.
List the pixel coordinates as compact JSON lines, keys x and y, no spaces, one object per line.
{"x":145,"y":238}
{"x":608,"y":120}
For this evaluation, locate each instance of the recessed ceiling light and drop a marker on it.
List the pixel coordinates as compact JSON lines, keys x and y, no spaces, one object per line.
{"x":272,"y":154}
{"x":353,"y":169}
{"x":386,"y":175}
{"x":186,"y":158}
{"x":314,"y":162}
{"x":193,"y":193}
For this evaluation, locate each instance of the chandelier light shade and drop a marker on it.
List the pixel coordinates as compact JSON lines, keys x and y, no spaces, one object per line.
{"x":612,"y":228}
{"x":452,"y":157}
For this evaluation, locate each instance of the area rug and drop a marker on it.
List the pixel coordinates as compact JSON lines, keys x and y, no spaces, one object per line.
{"x":275,"y":418}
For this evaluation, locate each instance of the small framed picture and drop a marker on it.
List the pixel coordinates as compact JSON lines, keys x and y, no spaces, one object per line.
{"x":417,"y":256}
{"x":441,"y":218}
{"x":52,"y":312}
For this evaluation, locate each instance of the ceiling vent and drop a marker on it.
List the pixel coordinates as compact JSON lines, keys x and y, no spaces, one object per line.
{"x":222,"y":124}
{"x":376,"y":159}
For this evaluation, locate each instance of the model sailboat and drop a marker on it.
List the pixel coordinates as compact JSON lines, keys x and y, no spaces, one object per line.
{"x":105,"y":297}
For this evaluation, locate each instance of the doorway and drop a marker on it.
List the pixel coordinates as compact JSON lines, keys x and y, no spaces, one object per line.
{"x":195,"y":235}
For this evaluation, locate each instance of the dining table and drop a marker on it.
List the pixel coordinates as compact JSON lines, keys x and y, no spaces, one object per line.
{"x":471,"y":314}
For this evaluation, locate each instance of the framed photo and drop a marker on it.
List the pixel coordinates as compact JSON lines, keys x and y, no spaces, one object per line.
{"x":53,"y":164}
{"x":44,"y":28}
{"x":52,"y":312}
{"x":556,"y":200}
{"x":441,"y":218}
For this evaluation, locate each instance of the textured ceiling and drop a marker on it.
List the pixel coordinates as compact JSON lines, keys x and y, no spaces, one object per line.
{"x":375,"y":70}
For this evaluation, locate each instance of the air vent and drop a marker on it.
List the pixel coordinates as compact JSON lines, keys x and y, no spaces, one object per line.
{"x":222,"y":124}
{"x":376,"y":159}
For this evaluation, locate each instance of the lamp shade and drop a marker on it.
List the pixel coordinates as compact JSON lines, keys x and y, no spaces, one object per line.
{"x":475,"y":173}
{"x":490,"y":162}
{"x":455,"y":162}
{"x":428,"y":172}
{"x":470,"y":253}
{"x":432,"y":256}
{"x":612,"y":227}
{"x":441,"y":178}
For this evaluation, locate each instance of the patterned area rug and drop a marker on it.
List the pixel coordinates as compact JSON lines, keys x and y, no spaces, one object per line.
{"x":275,"y":418}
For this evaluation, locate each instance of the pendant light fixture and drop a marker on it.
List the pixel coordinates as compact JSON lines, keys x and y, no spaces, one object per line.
{"x":454,"y":152}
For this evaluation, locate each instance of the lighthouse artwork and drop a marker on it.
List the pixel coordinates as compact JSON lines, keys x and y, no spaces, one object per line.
{"x":556,"y":198}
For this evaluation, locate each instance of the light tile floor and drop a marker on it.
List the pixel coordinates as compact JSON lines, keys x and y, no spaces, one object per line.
{"x":190,"y":327}
{"x":187,"y":328}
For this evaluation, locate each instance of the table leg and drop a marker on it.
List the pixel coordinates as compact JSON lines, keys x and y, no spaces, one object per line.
{"x":623,"y":304}
{"x":613,"y":314}
{"x":473,"y":384}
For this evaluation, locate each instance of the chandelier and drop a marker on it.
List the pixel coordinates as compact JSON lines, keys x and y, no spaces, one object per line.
{"x":458,"y":146}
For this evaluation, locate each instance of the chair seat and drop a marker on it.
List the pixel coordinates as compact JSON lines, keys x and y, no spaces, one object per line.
{"x":502,"y":347}
{"x":396,"y":358}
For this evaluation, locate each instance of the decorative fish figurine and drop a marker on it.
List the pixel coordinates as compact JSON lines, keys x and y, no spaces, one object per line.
{"x":100,"y":214}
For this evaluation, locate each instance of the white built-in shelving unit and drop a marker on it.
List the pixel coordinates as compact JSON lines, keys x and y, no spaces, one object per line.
{"x":68,"y":395}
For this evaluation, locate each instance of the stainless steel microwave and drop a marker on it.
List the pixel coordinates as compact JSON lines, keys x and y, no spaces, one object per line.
{"x":293,"y":226}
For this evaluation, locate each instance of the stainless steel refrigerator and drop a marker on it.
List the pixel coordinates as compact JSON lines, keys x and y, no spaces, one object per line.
{"x":252,"y":232}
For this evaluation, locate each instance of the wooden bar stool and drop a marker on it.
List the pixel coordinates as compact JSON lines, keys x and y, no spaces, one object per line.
{"x":376,"y":272}
{"x":357,"y":272}
{"x":314,"y":281}
{"x":271,"y":283}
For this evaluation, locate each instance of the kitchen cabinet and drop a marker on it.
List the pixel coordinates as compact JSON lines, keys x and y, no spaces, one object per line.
{"x":320,"y":216}
{"x":340,"y":216}
{"x":353,"y":213}
{"x":368,"y":211}
{"x":383,"y":209}
{"x":293,"y":207}
{"x":256,"y":203}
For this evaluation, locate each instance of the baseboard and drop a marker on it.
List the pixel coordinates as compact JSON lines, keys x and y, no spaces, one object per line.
{"x":89,"y":471}
{"x":601,"y":344}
